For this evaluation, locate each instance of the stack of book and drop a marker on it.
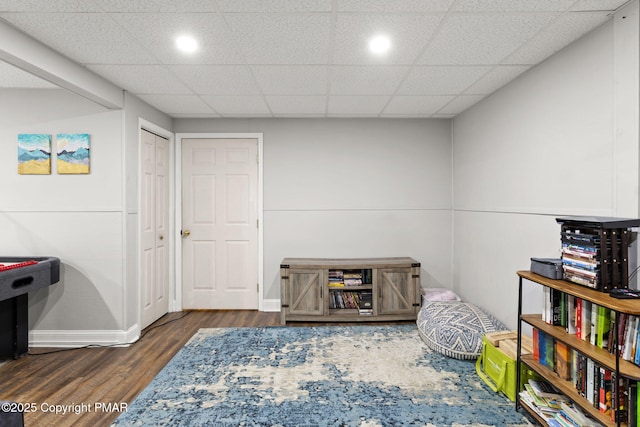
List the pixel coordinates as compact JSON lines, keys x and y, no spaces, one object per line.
{"x":552,"y":406}
{"x":366,"y":302}
{"x":581,"y":256}
{"x":595,"y":251}
{"x":353,"y":278}
{"x":336,"y":278}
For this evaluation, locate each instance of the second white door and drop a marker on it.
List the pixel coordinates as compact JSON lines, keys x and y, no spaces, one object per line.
{"x":154,"y":241}
{"x":219,"y":223}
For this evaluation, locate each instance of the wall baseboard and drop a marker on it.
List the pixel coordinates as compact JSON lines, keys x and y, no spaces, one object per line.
{"x":271,"y":305}
{"x":70,"y":339}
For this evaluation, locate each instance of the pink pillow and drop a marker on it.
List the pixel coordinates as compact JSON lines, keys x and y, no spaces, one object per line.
{"x":439,"y":294}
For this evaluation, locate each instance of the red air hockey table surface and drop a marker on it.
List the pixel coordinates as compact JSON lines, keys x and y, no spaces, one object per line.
{"x":18,"y":277}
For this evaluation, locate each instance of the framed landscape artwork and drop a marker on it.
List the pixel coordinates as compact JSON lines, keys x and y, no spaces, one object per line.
{"x":73,"y":153}
{"x":34,"y":154}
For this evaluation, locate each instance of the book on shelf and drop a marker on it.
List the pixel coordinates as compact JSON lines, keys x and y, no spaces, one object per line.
{"x":594,"y":324}
{"x":563,"y":360}
{"x":366,"y":299}
{"x":590,"y":376}
{"x":336,"y":278}
{"x":585,"y":320}
{"x":605,"y":394}
{"x":572,"y":325}
{"x":576,"y":416}
{"x":603,"y":326}
{"x":632,"y":406}
{"x":543,"y":388}
{"x":353,"y":277}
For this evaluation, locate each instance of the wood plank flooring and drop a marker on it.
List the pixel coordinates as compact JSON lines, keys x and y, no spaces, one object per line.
{"x":80,"y":380}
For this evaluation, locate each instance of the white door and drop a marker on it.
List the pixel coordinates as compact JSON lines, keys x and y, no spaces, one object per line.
{"x":219,"y":223}
{"x":154,"y":216}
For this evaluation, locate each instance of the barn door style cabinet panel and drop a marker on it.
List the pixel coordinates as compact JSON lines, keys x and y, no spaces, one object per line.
{"x":349,"y":290}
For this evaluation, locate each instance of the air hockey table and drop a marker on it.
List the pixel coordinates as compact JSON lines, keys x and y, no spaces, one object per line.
{"x":18,"y":277}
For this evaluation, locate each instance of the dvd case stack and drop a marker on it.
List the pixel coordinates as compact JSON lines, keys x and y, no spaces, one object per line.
{"x":595,"y":251}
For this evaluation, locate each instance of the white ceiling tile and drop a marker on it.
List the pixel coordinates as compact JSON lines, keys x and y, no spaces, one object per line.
{"x":305,"y":58}
{"x":83,"y":37}
{"x":246,"y":106}
{"x":291,"y":79}
{"x":217,"y":79}
{"x":496,"y":78}
{"x":157,"y":32}
{"x":282,"y":39}
{"x":274,"y":6}
{"x":366,"y":79}
{"x":148,"y":6}
{"x":297,"y":105}
{"x":415,"y":106}
{"x":482,"y":39}
{"x":408,"y":35}
{"x":512,"y":5}
{"x":561,"y":33}
{"x":181,"y":104}
{"x":394,"y":6}
{"x":16,"y":78}
{"x":49,"y":6}
{"x":609,"y":5}
{"x":460,"y":103}
{"x":445,"y":80}
{"x":356,"y":105}
{"x":147,"y":79}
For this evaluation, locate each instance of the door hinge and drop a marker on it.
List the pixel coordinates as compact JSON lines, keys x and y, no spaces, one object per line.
{"x":258,"y":287}
{"x":257,"y":223}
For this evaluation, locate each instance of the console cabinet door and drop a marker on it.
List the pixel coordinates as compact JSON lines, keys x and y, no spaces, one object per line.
{"x":396,"y":291}
{"x":305,"y":292}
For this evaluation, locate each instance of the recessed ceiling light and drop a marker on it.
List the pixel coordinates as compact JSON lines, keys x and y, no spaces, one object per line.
{"x":379,"y":44}
{"x":187,"y":44}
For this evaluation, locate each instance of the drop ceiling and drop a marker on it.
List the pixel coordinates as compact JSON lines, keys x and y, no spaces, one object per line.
{"x":304,"y":58}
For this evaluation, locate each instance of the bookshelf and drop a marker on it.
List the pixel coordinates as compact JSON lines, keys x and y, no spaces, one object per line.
{"x":601,"y":357}
{"x":349,"y":289}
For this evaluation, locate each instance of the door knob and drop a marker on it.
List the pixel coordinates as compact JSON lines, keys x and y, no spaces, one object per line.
{"x":161,"y":237}
{"x":185,"y":233}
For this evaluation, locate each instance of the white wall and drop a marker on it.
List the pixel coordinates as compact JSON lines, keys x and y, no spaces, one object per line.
{"x":77,"y":218}
{"x":546,"y":145}
{"x":351,"y":188}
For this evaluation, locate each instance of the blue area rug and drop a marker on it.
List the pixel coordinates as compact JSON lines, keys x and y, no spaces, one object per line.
{"x":317,"y":376}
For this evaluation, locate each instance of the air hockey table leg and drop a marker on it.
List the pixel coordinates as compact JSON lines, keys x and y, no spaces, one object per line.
{"x":14,"y":326}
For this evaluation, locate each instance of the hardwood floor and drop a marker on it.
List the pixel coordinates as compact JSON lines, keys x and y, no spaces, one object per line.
{"x":83,"y":382}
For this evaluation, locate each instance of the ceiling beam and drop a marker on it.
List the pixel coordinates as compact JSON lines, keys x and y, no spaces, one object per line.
{"x":30,"y":55}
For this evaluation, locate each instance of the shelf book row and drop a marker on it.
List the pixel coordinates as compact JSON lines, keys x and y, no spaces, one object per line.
{"x":593,"y":382}
{"x":593,"y":323}
{"x":339,"y":278}
{"x":360,"y":300}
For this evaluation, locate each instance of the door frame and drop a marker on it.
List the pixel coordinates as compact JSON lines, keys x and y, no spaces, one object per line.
{"x":178,"y":204}
{"x":164,"y":133}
